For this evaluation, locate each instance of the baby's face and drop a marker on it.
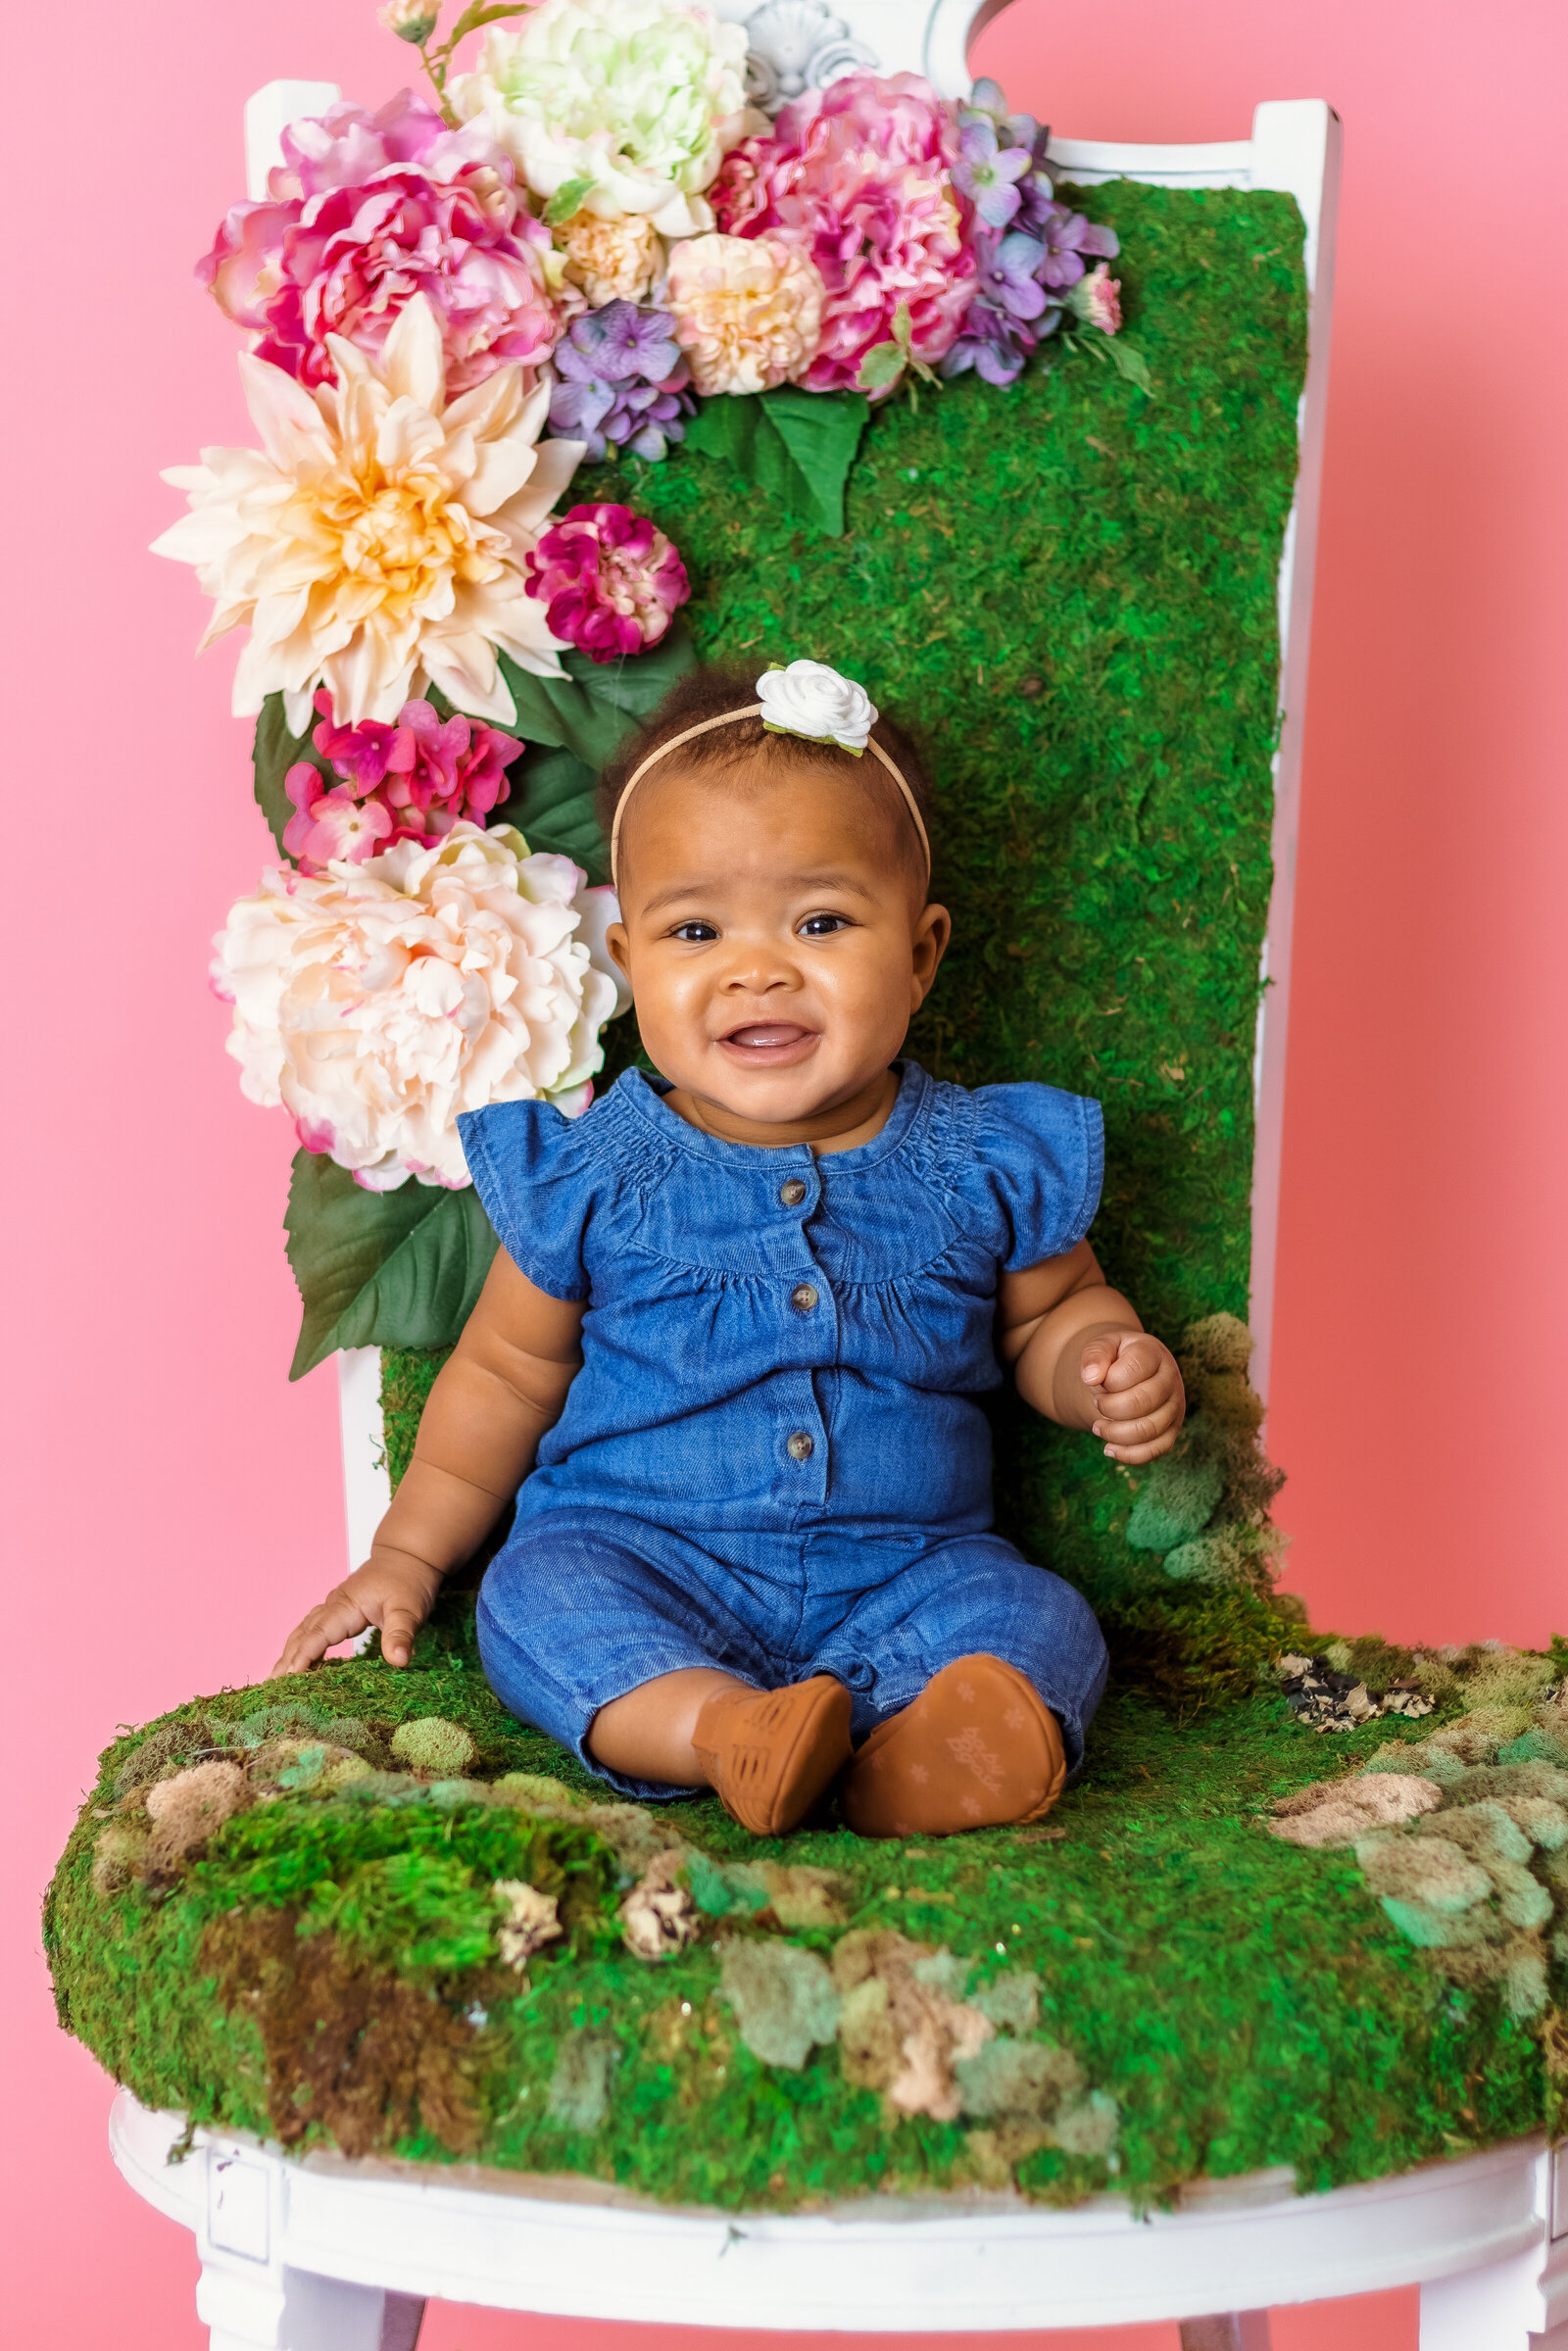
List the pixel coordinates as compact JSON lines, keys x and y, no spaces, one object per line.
{"x":776,"y":935}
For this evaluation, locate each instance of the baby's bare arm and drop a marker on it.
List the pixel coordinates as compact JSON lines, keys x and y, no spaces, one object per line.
{"x":1081,"y":1356}
{"x":503,"y":1387}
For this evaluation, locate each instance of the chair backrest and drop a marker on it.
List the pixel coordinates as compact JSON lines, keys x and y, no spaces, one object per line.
{"x":1295,"y":148}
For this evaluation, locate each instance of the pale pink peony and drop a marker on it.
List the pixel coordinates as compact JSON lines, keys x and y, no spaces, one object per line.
{"x":410,"y":781}
{"x":858,"y":177}
{"x":610,"y":261}
{"x":377,"y":1002}
{"x":747,"y":310}
{"x":368,"y":210}
{"x":609,"y":581}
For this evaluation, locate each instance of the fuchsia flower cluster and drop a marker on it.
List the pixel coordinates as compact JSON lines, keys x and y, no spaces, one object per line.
{"x":858,"y":177}
{"x":610,"y":582}
{"x":411,"y":781}
{"x":368,"y":210}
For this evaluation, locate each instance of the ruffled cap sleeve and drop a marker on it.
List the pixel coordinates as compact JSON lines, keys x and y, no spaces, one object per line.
{"x":1043,"y":1152}
{"x":536,"y":1172}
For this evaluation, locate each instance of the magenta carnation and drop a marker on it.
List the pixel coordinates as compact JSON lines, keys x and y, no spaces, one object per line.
{"x":858,"y":177}
{"x":368,"y":210}
{"x":611,"y":582}
{"x":411,"y":781}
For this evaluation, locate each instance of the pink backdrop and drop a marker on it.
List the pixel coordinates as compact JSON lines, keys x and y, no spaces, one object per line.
{"x":172,"y":1503}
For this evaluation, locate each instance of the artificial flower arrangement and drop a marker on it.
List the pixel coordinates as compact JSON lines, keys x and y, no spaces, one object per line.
{"x":588,"y":245}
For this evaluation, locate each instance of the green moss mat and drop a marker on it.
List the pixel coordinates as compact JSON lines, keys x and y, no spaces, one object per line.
{"x":1068,"y":593}
{"x":1241,"y":2002}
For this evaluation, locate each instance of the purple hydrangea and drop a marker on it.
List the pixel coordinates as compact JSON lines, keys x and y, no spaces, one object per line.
{"x":1011,"y":314}
{"x":1032,"y":183}
{"x":1070,"y":241}
{"x":622,"y":383}
{"x":986,"y":171}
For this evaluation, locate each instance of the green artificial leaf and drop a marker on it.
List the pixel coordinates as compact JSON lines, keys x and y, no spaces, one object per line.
{"x":484,"y":12}
{"x":561,"y":713}
{"x":882,"y":365}
{"x":797,"y":445}
{"x":567,"y":198}
{"x":725,"y":428}
{"x":637,"y":683}
{"x":1131,"y":363}
{"x":398,"y":1268}
{"x":556,"y":811}
{"x":275,"y":752}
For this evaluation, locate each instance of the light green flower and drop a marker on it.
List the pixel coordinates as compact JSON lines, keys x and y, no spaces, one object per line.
{"x":615,"y":107}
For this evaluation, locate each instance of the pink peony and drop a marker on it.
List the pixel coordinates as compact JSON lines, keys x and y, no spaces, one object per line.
{"x":858,"y":178}
{"x":411,"y":781}
{"x":368,"y":210}
{"x":611,"y":582}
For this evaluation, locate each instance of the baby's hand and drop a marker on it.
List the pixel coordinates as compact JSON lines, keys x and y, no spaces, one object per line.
{"x":393,"y":1591}
{"x":1138,"y":1392}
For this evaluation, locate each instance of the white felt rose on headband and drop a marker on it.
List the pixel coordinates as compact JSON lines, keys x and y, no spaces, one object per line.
{"x":809,"y":699}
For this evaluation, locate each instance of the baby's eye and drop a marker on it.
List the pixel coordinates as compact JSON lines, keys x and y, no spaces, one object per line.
{"x":822,"y":926}
{"x":697,"y":932}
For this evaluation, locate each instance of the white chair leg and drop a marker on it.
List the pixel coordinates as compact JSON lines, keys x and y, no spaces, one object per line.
{"x":1487,"y":2310}
{"x":251,"y":2307}
{"x":1234,"y":2330}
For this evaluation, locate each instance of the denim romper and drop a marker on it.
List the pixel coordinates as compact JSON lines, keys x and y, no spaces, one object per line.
{"x":775,"y":1459}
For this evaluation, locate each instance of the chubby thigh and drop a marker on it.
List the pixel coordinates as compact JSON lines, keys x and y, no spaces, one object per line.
{"x":582,"y":1606}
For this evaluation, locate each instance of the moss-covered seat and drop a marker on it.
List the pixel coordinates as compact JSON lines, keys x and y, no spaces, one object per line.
{"x":368,"y":1911}
{"x":1148,"y":1989}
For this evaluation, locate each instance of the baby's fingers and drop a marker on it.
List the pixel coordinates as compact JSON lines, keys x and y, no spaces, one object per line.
{"x":1133,"y":1403}
{"x":1140,"y":1356}
{"x":1145,"y":1429}
{"x":399,"y":1624}
{"x":337,"y":1618}
{"x":1133,"y":1456}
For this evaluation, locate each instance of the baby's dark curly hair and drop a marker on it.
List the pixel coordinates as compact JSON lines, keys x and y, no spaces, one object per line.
{"x":708,"y":693}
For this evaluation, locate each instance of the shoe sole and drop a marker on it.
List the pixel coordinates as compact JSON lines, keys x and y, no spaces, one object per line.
{"x":950,"y":1731}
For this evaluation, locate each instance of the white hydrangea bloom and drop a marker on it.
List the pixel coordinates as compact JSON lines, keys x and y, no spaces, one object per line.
{"x":376,"y":1002}
{"x":637,"y":100}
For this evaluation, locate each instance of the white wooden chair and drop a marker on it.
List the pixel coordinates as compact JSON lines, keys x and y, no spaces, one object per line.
{"x":323,"y":2254}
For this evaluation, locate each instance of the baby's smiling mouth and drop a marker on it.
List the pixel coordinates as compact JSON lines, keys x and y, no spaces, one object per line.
{"x":768,"y":1042}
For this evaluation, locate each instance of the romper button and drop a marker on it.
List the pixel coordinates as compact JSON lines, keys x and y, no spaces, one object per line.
{"x":793,"y":1192}
{"x":803,"y":1298}
{"x":799,"y":1447}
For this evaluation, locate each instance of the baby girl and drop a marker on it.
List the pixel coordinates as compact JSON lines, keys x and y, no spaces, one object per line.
{"x":730,"y":1357}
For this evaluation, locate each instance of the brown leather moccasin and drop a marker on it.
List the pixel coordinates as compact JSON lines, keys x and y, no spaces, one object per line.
{"x":979,"y":1748}
{"x":771,"y":1753}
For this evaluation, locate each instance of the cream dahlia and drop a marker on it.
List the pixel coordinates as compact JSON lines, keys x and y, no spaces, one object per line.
{"x":376,"y":1002}
{"x":374,"y":542}
{"x":747,"y":310}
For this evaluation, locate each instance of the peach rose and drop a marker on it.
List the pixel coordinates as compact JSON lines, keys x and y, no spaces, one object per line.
{"x":747,"y":310}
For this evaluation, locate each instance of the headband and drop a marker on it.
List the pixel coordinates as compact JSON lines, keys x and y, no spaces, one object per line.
{"x":807,"y":699}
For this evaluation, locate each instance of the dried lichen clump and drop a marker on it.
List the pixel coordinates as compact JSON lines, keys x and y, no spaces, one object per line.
{"x":658,"y":1916}
{"x":1464,"y":1835}
{"x":431,"y":1745}
{"x":1205,"y":1505}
